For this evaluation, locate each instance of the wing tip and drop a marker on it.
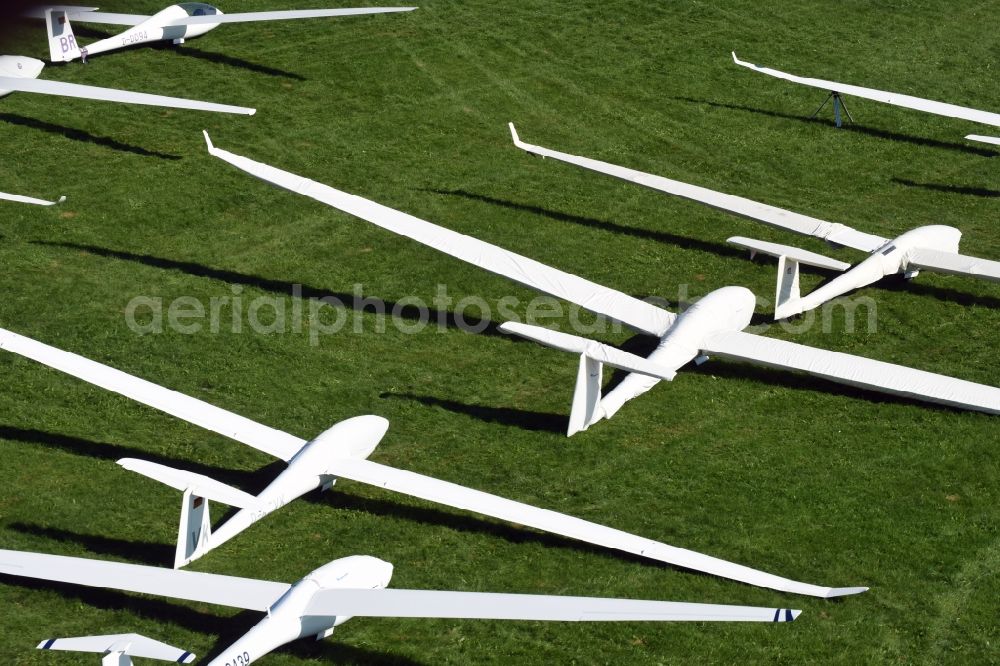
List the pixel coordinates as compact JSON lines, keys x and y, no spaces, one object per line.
{"x":208,"y":142}
{"x":835,"y":592}
{"x":513,"y":135}
{"x":46,"y":644}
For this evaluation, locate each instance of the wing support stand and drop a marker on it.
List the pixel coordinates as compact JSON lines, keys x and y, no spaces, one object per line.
{"x":838,"y":104}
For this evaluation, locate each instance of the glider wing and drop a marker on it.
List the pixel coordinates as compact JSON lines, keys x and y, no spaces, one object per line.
{"x":855,"y":371}
{"x":770,"y":215}
{"x":248,"y":17}
{"x":275,"y":442}
{"x":491,"y":606}
{"x":460,"y":497}
{"x":63,"y":89}
{"x":639,"y":314}
{"x":953,"y":263}
{"x":896,"y":99}
{"x":246,"y":593}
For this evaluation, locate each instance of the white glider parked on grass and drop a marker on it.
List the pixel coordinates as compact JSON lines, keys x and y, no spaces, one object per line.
{"x":20,"y":74}
{"x":119,"y":649}
{"x":176,"y":23}
{"x":896,"y":99}
{"x":341,"y":452}
{"x":933,"y":248}
{"x":713,"y":325}
{"x":349,"y":587}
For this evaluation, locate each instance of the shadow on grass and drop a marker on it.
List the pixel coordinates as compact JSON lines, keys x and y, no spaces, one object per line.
{"x":593,"y":223}
{"x":153,"y":609}
{"x":82,"y":136}
{"x":897,"y":283}
{"x":364,"y":304}
{"x":251,"y":482}
{"x":950,"y":189}
{"x":147,"y":552}
{"x":526,"y":420}
{"x":494,"y":527}
{"x":230,"y":61}
{"x":851,"y":127}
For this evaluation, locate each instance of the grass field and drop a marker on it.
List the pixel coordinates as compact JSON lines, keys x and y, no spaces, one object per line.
{"x":794,"y":476}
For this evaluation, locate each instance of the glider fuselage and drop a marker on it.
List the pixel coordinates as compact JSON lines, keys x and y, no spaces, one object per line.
{"x":891,"y":258}
{"x":157,"y":28}
{"x":310,"y":468}
{"x":287,"y":619}
{"x":725,"y":309}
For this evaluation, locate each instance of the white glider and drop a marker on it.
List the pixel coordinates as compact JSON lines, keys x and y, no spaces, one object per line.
{"x":354,"y":586}
{"x":119,"y":649}
{"x":932,"y":248}
{"x":341,"y":452}
{"x":176,"y":23}
{"x":20,"y":74}
{"x":896,"y":99}
{"x":713,"y":325}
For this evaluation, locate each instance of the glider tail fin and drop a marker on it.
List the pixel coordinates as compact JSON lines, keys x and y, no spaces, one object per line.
{"x":787,"y":297}
{"x":586,"y":395}
{"x":787,"y":293}
{"x":62,"y":41}
{"x":195,"y":529}
{"x":594,"y":356}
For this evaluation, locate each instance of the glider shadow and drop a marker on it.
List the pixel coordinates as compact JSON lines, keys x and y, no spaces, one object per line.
{"x":144,"y":552}
{"x":494,"y":527}
{"x":231,"y":61}
{"x":897,"y":283}
{"x":683,"y":242}
{"x":82,"y":136}
{"x":290,"y":289}
{"x":164,"y":612}
{"x":851,"y":127}
{"x":950,"y":189}
{"x":254,"y":481}
{"x":526,"y":420}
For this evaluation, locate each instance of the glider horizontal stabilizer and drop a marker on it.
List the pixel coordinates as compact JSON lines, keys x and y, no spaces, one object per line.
{"x":804,"y":257}
{"x":198,"y":484}
{"x":592,"y":349}
{"x":132,"y":645}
